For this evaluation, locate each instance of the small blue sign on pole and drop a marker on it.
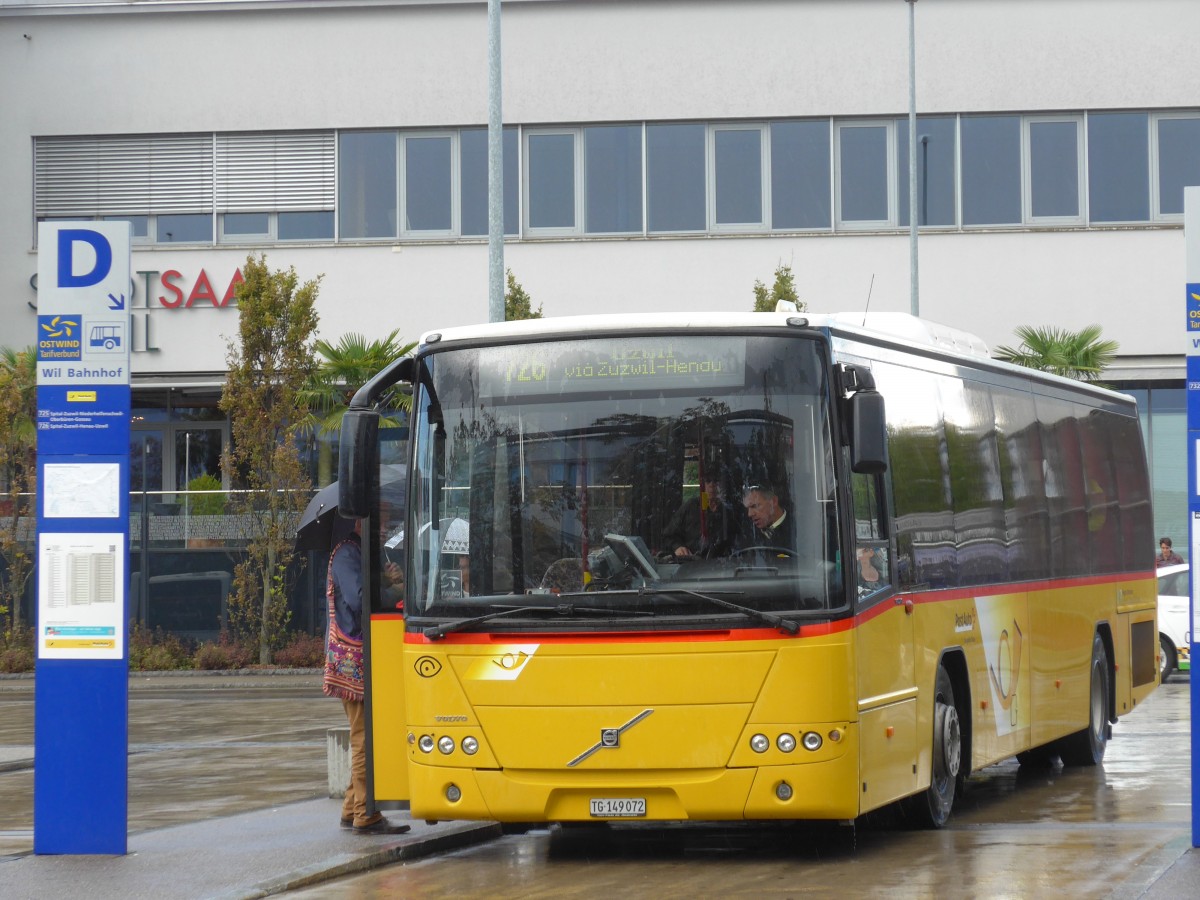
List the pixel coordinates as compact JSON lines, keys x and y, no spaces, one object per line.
{"x":1191,"y":234}
{"x":81,"y":712}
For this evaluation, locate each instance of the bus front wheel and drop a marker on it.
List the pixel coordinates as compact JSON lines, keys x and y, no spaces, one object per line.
{"x":931,"y":808}
{"x":1086,"y":748}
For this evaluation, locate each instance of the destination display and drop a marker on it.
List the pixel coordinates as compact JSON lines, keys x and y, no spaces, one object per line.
{"x":639,"y":364}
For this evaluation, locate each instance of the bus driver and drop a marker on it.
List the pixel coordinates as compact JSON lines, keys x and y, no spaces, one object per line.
{"x":769,"y":518}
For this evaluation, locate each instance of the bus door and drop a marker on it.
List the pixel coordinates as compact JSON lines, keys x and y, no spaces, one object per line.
{"x":387,"y":749}
{"x":887,"y":692}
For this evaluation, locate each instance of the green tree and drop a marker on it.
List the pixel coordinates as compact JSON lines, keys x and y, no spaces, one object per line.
{"x":18,"y":477}
{"x":343,"y":368}
{"x":270,"y":363}
{"x":784,"y":288}
{"x":1081,"y":355}
{"x":517,"y":303}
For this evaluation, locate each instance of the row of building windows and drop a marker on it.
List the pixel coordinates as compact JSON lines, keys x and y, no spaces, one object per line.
{"x":976,"y":171}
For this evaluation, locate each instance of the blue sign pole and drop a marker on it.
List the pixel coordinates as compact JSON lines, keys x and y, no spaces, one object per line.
{"x":1191,"y":233}
{"x":81,"y":693}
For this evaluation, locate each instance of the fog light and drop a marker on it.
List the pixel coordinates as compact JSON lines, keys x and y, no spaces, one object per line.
{"x":453,"y":793}
{"x":783,"y":791}
{"x":426,"y":743}
{"x":811,"y":740}
{"x":446,"y":744}
{"x":759,"y":743}
{"x":470,"y":746}
{"x":785,"y":742}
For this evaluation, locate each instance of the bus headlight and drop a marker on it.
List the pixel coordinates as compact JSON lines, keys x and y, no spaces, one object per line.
{"x":470,"y":746}
{"x":812,"y":741}
{"x":785,"y":742}
{"x":760,"y":743}
{"x":426,"y":743}
{"x":446,"y":744}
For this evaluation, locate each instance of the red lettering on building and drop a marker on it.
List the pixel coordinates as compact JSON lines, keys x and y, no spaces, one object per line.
{"x":168,"y":277}
{"x":231,"y":293}
{"x":201,"y":290}
{"x":177,"y":297}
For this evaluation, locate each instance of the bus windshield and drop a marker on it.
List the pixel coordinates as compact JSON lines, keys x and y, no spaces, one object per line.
{"x":666,"y":480}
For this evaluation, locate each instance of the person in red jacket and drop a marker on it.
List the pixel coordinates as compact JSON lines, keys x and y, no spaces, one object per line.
{"x":1167,"y":556}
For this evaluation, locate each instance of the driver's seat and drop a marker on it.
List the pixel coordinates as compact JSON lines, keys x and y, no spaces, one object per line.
{"x":565,"y":576}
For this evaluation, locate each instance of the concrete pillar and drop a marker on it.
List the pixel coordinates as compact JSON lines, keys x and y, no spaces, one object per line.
{"x":337,"y":754}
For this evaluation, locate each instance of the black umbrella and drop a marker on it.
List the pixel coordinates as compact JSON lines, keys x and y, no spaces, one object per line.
{"x":316,"y":528}
{"x":315,"y":531}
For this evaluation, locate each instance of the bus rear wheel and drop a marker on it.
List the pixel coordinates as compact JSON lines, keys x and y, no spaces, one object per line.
{"x":1169,"y":660}
{"x":1086,"y":747}
{"x":931,"y":808}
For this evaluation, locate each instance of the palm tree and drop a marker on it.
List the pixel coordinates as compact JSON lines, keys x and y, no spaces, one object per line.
{"x":1081,"y":355}
{"x":341,"y":370}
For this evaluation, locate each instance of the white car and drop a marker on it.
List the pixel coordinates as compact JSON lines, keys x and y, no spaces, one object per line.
{"x":1174,"y":626}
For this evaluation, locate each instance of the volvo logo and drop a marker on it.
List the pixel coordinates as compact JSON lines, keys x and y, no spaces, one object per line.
{"x":610,"y":738}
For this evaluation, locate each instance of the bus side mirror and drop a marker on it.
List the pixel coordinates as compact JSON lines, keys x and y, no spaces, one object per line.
{"x":868,"y":433}
{"x":358,"y":460}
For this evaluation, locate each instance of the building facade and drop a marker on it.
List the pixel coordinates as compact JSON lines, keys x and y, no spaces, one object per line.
{"x":659,"y":154}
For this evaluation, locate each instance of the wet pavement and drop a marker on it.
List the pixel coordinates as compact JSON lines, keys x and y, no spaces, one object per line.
{"x":1118,"y":831}
{"x":242,"y":742}
{"x":227,"y":779}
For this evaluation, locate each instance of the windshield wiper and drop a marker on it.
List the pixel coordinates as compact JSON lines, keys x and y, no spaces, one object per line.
{"x":562,"y":609}
{"x":788,"y":626}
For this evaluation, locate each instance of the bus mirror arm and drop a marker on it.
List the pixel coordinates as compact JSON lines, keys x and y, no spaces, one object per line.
{"x":403,"y":369}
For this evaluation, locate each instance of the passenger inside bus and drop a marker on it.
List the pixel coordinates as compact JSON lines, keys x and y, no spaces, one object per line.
{"x":703,"y":526}
{"x":872,"y":570}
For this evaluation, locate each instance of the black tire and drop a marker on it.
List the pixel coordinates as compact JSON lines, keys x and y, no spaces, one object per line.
{"x":931,"y":808}
{"x":1169,"y":659}
{"x":1086,"y":747}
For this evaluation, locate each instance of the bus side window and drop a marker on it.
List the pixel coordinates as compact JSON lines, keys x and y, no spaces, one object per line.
{"x":872,"y":567}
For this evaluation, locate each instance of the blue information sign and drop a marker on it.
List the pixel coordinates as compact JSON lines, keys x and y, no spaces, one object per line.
{"x":81,"y":715}
{"x":1191,"y":234}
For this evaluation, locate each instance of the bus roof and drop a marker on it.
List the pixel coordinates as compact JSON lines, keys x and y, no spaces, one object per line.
{"x":896,"y":329}
{"x":902,"y":327}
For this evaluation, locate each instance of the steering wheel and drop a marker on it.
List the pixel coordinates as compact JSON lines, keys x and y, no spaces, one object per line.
{"x":764,"y":548}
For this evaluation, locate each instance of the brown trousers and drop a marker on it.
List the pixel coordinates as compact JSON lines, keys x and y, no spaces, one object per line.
{"x":355,"y":804}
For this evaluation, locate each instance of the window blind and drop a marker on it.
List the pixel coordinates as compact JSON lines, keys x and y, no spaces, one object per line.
{"x":291,"y":172}
{"x":123,"y":175}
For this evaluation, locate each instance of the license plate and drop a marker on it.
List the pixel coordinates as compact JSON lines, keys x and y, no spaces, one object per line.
{"x":618,"y":807}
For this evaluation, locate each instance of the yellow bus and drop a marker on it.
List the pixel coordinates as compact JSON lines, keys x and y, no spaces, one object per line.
{"x":957,"y":568}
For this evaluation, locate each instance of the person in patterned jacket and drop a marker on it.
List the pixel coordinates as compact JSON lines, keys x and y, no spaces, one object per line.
{"x":344,"y":671}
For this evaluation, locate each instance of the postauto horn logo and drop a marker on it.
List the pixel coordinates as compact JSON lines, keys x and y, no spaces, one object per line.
{"x":59,"y":338}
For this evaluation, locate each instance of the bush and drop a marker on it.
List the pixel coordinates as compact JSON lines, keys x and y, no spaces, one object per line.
{"x":226,"y":653}
{"x":157,"y":651}
{"x":16,"y":651}
{"x":212,"y":505}
{"x":303,"y":651}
